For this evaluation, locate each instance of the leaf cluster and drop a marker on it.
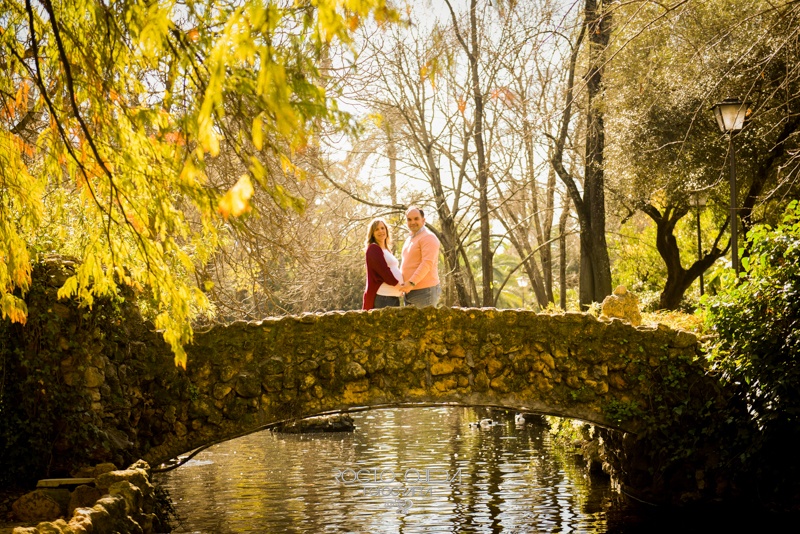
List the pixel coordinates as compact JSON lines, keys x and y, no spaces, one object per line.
{"x":114,"y":115}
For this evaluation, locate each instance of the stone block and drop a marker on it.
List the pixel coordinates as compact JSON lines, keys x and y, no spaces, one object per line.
{"x":494,"y":366}
{"x":683,"y":340}
{"x":617,"y":382}
{"x":542,"y":384}
{"x":137,"y":477}
{"x":35,"y":507}
{"x":457,"y":352}
{"x":481,"y":382}
{"x":352,"y":371}
{"x":500,"y":384}
{"x":521,"y":365}
{"x":226,"y":372}
{"x":93,"y":377}
{"x":82,"y":497}
{"x":271,"y":384}
{"x":131,"y":495}
{"x":60,"y":495}
{"x":235,"y":409}
{"x":623,"y":305}
{"x":446,"y":384}
{"x":442,"y":368}
{"x":179,"y":429}
{"x":248,"y":386}
{"x":58,"y":526}
{"x":104,"y":513}
{"x":573,"y":382}
{"x":221,"y":391}
{"x":307,"y":382}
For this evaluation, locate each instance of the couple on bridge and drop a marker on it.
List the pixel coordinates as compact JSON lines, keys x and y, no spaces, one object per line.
{"x":417,"y":281}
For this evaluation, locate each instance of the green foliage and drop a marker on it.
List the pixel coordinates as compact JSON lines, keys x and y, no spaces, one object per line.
{"x":757,"y":322}
{"x":639,"y":266}
{"x":669,"y":68}
{"x":621,"y":411}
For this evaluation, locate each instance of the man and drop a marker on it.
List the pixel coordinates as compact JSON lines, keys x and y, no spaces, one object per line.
{"x":420,"y":262}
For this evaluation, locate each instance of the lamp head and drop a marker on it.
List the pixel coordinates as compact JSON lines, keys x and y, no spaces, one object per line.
{"x":730,"y":114}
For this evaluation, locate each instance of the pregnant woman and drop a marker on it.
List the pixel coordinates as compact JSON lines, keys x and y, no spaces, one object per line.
{"x":383,"y":272}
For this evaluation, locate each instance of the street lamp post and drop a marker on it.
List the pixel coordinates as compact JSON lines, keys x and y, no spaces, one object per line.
{"x":730,"y":115}
{"x":700,"y":203}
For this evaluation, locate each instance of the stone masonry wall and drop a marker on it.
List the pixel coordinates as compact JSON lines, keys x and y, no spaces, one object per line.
{"x":245,"y":375}
{"x":127,"y":504}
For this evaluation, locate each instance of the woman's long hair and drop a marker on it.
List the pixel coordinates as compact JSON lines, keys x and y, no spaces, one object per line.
{"x":371,"y":233}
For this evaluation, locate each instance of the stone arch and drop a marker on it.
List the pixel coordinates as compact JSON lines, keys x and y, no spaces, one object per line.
{"x":244,"y":376}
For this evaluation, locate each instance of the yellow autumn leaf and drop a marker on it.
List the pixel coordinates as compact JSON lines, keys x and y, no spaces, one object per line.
{"x":353,"y":22}
{"x":376,"y":118}
{"x":13,"y":308}
{"x":236,"y":201}
{"x":258,"y":132}
{"x":180,"y":357}
{"x":69,"y":288}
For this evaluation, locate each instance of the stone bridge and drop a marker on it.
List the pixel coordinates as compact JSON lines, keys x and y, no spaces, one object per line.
{"x":84,"y":386}
{"x":244,"y":376}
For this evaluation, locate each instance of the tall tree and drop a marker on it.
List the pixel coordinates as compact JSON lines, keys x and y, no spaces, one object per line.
{"x":473,"y":51}
{"x":595,"y":277}
{"x":526,"y":96}
{"x":671,"y":64}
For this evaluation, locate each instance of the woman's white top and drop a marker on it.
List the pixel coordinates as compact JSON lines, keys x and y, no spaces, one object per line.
{"x":386,"y":290}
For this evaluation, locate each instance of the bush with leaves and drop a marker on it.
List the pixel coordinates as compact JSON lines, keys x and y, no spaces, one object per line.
{"x":758,"y":351}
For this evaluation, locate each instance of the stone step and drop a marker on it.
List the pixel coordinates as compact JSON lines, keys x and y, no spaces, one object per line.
{"x":62,"y":482}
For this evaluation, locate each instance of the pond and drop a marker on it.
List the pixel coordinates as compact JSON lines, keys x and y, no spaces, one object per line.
{"x":405,"y":470}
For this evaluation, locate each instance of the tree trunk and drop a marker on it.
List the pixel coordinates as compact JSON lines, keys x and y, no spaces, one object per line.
{"x":678,"y":278}
{"x":391,"y":154}
{"x":547,"y":251}
{"x":542,"y":230}
{"x":449,"y":237}
{"x":562,"y":254}
{"x":525,"y":251}
{"x":487,"y":270}
{"x":595,"y":271}
{"x":597,"y":274}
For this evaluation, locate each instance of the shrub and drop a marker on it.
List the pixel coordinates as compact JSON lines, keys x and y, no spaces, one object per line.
{"x":757,"y":322}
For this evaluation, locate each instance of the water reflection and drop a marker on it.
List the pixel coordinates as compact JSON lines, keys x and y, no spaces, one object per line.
{"x":402,"y":470}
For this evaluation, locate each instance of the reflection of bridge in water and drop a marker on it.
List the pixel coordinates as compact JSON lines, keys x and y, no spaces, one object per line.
{"x":247,"y":375}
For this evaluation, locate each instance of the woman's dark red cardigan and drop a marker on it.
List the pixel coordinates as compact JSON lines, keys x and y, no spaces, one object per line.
{"x":378,"y":272}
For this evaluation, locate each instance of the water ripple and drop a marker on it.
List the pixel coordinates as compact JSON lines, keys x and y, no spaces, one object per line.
{"x":403,"y":470}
